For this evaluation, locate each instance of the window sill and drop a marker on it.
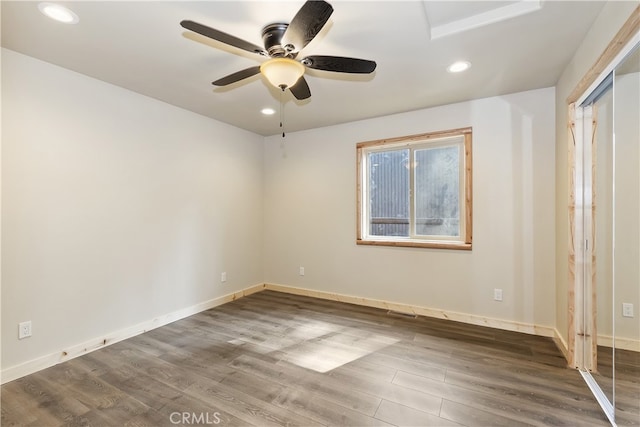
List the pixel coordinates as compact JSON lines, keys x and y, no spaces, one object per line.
{"x":417,"y":244}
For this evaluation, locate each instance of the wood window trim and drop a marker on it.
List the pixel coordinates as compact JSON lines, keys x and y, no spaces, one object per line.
{"x":468,"y":190}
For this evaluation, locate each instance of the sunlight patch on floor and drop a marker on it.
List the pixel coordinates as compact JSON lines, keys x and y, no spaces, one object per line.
{"x":319,"y":346}
{"x":332,"y":352}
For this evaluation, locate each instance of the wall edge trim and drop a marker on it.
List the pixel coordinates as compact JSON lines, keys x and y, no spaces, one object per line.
{"x":509,"y":325}
{"x":18,"y":371}
{"x":621,"y":343}
{"x":561,"y":343}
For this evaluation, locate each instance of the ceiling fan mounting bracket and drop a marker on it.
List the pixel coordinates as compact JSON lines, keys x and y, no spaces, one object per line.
{"x":272,"y":39}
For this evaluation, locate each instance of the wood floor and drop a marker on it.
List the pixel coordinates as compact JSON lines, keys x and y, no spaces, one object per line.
{"x":279,"y":359}
{"x":627,"y":379}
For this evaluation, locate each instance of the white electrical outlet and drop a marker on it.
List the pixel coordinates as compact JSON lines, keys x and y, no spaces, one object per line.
{"x":302,"y":271}
{"x":627,"y":309}
{"x":24,"y":330}
{"x":223,"y":276}
{"x":497,"y":294}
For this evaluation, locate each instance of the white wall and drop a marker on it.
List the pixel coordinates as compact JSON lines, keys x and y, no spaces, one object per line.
{"x":116,"y":208}
{"x":310,"y":213}
{"x":614,"y":14}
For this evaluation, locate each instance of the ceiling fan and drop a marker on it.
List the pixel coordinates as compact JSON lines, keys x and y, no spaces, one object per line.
{"x":282,"y":43}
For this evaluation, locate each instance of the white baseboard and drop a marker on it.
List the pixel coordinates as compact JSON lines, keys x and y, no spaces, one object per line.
{"x":620,"y":342}
{"x":603,"y":340}
{"x":561,"y":344}
{"x":26,"y":368}
{"x":508,"y":325}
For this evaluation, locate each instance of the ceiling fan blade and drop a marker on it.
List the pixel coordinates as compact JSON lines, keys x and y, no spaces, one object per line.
{"x":237,"y":76}
{"x":301,"y":89}
{"x":339,"y":64}
{"x":306,"y":24}
{"x":222,"y":37}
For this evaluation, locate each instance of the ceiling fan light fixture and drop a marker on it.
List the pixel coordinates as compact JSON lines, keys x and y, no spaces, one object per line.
{"x":268,"y":111}
{"x":58,"y":13}
{"x":282,"y":72}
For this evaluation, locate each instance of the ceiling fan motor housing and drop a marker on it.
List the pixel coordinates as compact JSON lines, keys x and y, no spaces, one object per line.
{"x":272,"y":39}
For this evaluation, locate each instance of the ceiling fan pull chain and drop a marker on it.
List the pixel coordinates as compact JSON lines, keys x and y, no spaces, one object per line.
{"x":282,"y":112}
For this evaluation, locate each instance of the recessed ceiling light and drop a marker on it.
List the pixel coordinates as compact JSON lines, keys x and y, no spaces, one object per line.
{"x":268,"y":111}
{"x":59,"y":13}
{"x":458,"y":66}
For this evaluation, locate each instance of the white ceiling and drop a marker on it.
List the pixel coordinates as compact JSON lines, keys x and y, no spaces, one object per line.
{"x":513,"y":46}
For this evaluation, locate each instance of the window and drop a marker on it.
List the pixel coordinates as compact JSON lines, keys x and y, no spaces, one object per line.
{"x":416,"y":190}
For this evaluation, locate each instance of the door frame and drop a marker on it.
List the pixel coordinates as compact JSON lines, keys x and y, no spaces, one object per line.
{"x":582,"y":122}
{"x":616,"y":50}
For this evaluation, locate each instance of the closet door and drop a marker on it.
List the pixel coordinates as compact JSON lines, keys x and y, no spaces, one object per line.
{"x":595,"y":225}
{"x":608,"y":221}
{"x":626,"y":239}
{"x":601,"y":248}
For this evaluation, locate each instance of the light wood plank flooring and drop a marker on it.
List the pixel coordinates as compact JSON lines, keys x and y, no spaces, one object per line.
{"x":278,"y":359}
